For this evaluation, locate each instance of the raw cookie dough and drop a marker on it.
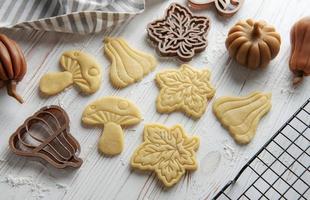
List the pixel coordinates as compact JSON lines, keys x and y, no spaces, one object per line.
{"x":240,"y":115}
{"x":111,"y":113}
{"x":128,"y":65}
{"x":167,"y":151}
{"x":185,"y":89}
{"x":81,"y":69}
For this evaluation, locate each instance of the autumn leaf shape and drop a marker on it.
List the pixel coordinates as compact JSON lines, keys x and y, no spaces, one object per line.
{"x":180,"y":33}
{"x":186,"y":89}
{"x":167,"y":151}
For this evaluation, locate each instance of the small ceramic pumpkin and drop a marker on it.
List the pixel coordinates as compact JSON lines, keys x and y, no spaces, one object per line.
{"x":253,"y":43}
{"x":300,"y":53}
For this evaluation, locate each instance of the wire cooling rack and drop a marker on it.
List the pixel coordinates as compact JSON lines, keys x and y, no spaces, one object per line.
{"x":280,"y":169}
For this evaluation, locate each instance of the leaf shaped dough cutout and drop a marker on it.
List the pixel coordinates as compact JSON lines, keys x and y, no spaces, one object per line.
{"x":128,"y":65}
{"x":167,"y":151}
{"x":186,"y":89}
{"x":241,"y":115}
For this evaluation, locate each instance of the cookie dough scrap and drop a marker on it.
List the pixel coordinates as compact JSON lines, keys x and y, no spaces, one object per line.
{"x":185,"y":89}
{"x":111,"y":113}
{"x":241,"y":115}
{"x":81,"y":69}
{"x":167,"y":151}
{"x":128,"y":65}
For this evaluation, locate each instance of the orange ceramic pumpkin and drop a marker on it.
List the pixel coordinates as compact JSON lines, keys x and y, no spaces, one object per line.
{"x":300,"y":53}
{"x":253,"y":43}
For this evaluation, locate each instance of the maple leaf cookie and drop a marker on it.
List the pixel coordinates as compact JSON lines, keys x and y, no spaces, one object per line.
{"x":184,"y":89}
{"x":167,"y":151}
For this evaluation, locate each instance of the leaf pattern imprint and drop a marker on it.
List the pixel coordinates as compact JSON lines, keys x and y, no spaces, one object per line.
{"x":180,"y":33}
{"x":167,"y":151}
{"x":186,"y":90}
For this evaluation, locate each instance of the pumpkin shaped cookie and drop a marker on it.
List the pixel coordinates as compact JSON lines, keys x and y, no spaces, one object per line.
{"x":241,"y":115}
{"x":128,"y":65}
{"x":253,"y":44}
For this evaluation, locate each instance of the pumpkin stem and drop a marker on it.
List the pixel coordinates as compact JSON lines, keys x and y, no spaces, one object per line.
{"x":298,"y":77}
{"x":11,"y":89}
{"x":256,"y":32}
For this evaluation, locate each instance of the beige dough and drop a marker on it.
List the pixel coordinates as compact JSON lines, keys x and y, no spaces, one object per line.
{"x":49,"y":86}
{"x":241,"y":115}
{"x":111,"y":113}
{"x":167,"y":151}
{"x":81,"y":69}
{"x":128,"y":65}
{"x":184,"y":89}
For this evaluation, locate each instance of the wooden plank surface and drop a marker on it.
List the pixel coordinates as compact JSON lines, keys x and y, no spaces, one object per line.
{"x":111,"y":177}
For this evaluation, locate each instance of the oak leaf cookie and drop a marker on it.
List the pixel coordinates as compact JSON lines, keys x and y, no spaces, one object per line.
{"x":179,"y":33}
{"x":128,"y":65}
{"x":241,"y":115}
{"x":167,"y":151}
{"x":81,"y":69}
{"x":185,"y":89}
{"x":111,"y":113}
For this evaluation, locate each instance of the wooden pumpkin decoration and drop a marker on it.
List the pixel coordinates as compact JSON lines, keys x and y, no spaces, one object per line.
{"x":12,"y":66}
{"x":253,"y":43}
{"x":300,"y":53}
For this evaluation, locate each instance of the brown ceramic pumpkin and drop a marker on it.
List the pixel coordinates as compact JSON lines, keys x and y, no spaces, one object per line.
{"x":12,"y":66}
{"x":300,"y":53}
{"x":253,"y":43}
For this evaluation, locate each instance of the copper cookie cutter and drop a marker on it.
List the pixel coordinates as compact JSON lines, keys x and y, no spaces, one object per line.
{"x":46,"y":135}
{"x":225,"y":8}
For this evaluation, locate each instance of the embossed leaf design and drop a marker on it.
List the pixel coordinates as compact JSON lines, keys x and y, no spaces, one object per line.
{"x":185,"y":89}
{"x":180,"y":33}
{"x":167,"y":151}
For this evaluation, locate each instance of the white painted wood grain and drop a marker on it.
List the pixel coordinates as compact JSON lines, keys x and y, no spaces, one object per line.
{"x":112,"y":178}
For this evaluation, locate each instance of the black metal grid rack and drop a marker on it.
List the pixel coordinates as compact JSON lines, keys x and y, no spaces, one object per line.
{"x":280,"y":169}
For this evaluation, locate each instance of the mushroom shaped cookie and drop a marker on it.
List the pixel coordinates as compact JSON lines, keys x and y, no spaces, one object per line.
{"x":112,"y":113}
{"x":81,"y":69}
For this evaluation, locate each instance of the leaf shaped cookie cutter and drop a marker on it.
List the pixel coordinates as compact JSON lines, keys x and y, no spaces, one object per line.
{"x":225,"y":8}
{"x":179,"y":33}
{"x":46,"y":135}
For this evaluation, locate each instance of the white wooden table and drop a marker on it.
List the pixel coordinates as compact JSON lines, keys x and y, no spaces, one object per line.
{"x":111,"y":177}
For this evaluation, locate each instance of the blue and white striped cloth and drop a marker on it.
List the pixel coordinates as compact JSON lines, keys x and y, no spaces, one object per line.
{"x":71,"y":16}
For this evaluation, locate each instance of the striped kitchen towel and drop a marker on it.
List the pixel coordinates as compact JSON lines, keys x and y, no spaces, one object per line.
{"x":70,"y":16}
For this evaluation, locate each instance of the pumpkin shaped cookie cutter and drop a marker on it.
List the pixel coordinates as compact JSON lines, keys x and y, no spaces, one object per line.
{"x":46,"y":135}
{"x":225,"y":8}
